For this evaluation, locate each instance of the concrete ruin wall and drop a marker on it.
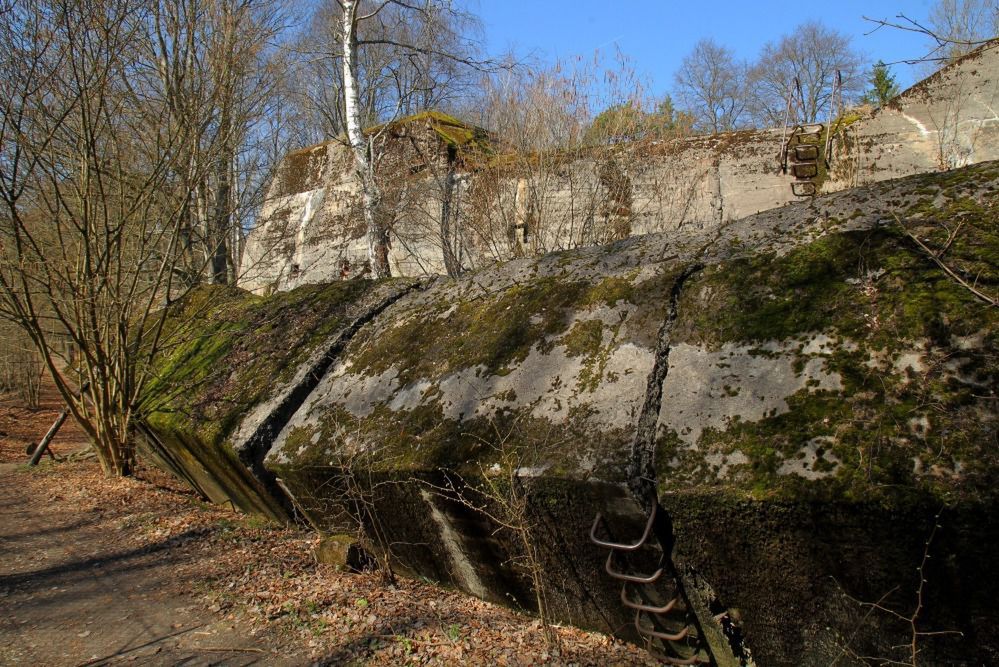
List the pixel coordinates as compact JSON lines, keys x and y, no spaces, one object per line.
{"x":800,"y":391}
{"x":948,"y":120}
{"x":311,"y":220}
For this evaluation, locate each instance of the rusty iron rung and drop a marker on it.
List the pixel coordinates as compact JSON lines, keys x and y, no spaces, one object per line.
{"x":665,"y":636}
{"x":805,"y":170}
{"x":633,"y":578}
{"x":623,"y":547}
{"x":806,"y":152}
{"x":665,"y":609}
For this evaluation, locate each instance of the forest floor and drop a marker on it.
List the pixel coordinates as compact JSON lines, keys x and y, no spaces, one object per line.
{"x":99,"y":571}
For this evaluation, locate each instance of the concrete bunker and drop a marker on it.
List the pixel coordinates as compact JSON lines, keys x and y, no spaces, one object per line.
{"x":799,"y":392}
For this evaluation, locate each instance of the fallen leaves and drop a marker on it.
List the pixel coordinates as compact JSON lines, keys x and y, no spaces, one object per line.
{"x":263,"y":575}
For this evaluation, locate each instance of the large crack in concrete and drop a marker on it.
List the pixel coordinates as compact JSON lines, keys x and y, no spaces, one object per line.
{"x":641,"y":468}
{"x":253,"y":449}
{"x":642,"y":478}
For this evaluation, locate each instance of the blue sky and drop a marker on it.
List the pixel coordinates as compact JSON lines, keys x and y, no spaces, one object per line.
{"x":657,"y":34}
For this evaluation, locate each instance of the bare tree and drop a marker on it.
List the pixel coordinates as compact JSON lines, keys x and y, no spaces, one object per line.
{"x":516,"y":202}
{"x":565,"y":177}
{"x":21,"y":368}
{"x":428,"y":73}
{"x":803,"y":65}
{"x":954,"y":28}
{"x":214,"y":64}
{"x":959,"y":26}
{"x":94,"y":191}
{"x":711,"y":85}
{"x":407,"y":45}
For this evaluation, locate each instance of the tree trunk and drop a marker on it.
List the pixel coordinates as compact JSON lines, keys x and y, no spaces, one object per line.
{"x":115,"y":451}
{"x":220,"y":237}
{"x":363,"y":158}
{"x":451,"y":263}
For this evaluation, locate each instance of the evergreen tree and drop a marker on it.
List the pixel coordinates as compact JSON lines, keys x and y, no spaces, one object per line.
{"x":883,"y":85}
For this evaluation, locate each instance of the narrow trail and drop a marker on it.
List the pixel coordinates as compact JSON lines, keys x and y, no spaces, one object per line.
{"x":70,"y":595}
{"x":21,"y":426}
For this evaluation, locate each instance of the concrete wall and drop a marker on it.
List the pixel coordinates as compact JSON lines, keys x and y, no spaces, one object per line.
{"x":311,"y":222}
{"x":948,"y":120}
{"x":801,"y":391}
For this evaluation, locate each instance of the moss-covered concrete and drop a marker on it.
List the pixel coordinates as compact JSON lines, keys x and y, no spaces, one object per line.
{"x":912,"y":351}
{"x":824,"y":376}
{"x":230,"y":362}
{"x":232,"y":348}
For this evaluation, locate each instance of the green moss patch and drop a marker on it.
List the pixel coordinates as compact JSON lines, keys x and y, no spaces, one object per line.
{"x":916,"y":352}
{"x":872,"y":285}
{"x":495,"y":331}
{"x":226,"y":350}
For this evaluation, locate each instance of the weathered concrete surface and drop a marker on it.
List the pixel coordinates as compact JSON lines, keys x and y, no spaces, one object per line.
{"x":948,"y":120}
{"x":241,"y":366}
{"x":823,"y":403}
{"x":311,"y":222}
{"x":825,"y":389}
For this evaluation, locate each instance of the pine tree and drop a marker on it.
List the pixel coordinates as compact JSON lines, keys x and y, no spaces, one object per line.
{"x":883,"y":85}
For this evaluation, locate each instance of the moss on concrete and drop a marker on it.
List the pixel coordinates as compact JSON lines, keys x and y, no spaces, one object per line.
{"x":231,"y":349}
{"x":872,"y":285}
{"x":227,"y":353}
{"x":494,"y":331}
{"x":916,"y":353}
{"x":491,"y":331}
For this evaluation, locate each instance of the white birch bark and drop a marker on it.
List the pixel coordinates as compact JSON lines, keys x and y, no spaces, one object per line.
{"x":364,"y":168}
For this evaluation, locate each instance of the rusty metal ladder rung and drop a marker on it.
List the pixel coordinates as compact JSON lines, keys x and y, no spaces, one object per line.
{"x":803,"y":189}
{"x":623,"y":547}
{"x":650,"y":635}
{"x":632,"y":578}
{"x":665,"y":636}
{"x":627,"y":602}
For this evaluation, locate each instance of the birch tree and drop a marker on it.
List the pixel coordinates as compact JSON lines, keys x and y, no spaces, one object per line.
{"x":436,"y":40}
{"x":377,"y":234}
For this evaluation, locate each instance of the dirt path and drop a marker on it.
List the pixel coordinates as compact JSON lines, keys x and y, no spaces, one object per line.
{"x":101,"y":571}
{"x":21,"y":426}
{"x":72,"y":594}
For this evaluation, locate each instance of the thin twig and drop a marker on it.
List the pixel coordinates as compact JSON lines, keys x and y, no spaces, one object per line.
{"x":422,"y":642}
{"x":936,"y":260}
{"x":224,"y":650}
